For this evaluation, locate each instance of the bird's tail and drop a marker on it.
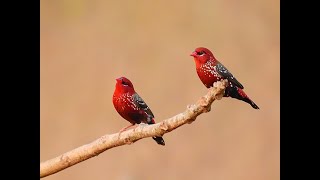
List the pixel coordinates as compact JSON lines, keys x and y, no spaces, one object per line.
{"x":238,"y":93}
{"x":159,"y":140}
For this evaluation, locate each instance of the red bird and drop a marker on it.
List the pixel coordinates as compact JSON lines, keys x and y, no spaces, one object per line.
{"x":210,"y":70}
{"x":131,"y":106}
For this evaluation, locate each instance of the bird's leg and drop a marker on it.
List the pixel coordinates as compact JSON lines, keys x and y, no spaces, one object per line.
{"x":125,"y":128}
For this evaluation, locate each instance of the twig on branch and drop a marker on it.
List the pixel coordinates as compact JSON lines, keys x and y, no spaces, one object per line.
{"x":106,"y":142}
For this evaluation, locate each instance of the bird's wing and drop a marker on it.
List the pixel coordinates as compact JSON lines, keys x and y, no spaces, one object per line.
{"x":139,"y":102}
{"x":224,"y":72}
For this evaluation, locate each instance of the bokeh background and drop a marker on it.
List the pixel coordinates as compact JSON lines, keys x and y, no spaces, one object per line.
{"x":87,"y":44}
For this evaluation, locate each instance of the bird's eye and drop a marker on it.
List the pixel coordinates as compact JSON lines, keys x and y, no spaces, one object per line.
{"x":200,"y":53}
{"x":124,"y":83}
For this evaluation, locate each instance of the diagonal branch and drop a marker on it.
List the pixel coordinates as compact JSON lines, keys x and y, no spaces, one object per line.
{"x":106,"y":142}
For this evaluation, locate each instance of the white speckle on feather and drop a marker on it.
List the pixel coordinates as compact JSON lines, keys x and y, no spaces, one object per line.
{"x":209,"y":69}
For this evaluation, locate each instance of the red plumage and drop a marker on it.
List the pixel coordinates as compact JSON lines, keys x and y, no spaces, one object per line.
{"x":210,"y":70}
{"x":131,"y":106}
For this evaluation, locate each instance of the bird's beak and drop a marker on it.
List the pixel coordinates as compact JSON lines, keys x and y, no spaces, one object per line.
{"x":194,"y":54}
{"x":118,"y":79}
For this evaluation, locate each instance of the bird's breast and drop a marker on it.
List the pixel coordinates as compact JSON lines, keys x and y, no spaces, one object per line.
{"x":208,"y":74}
{"x":124,"y":103}
{"x":127,"y":109}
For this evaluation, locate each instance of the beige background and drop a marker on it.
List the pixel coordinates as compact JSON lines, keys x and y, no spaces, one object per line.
{"x":86,"y":44}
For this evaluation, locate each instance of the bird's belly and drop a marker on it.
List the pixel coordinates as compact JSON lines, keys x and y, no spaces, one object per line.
{"x":134,"y":116}
{"x":208,"y":78}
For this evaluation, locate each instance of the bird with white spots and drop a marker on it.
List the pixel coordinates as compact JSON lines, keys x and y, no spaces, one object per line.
{"x":131,"y":106}
{"x":210,"y":70}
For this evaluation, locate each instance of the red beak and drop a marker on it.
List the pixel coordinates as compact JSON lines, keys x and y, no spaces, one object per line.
{"x":118,"y":79}
{"x":194,"y":54}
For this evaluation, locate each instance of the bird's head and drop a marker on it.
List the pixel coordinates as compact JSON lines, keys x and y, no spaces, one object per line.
{"x":124,"y":85}
{"x":201,"y":55}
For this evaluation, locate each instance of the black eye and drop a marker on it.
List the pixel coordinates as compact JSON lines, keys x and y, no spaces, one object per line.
{"x":200,"y":53}
{"x":124,"y":83}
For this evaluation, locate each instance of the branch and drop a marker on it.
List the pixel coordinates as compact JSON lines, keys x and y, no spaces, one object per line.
{"x":106,"y":142}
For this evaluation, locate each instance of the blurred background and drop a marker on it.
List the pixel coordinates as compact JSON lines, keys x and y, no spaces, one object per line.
{"x":87,"y":44}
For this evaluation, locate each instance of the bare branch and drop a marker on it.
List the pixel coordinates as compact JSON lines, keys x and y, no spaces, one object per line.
{"x":106,"y":142}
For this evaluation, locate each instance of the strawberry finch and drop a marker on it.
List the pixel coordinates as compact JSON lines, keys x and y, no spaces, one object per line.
{"x":210,"y":70}
{"x":131,"y":106}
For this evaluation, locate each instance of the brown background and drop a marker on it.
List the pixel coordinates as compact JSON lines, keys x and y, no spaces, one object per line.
{"x":86,"y":44}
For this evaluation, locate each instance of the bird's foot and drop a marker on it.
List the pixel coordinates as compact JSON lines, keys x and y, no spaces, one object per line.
{"x":125,"y":128}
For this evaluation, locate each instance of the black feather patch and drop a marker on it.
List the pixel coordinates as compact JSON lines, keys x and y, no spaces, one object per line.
{"x":224,"y":72}
{"x":142,"y":105}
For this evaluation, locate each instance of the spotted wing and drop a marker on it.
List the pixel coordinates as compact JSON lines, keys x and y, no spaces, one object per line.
{"x":142,"y":105}
{"x":224,"y":72}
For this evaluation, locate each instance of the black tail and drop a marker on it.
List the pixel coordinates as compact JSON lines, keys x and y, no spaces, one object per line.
{"x":159,"y":140}
{"x":250,"y":102}
{"x":238,"y":93}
